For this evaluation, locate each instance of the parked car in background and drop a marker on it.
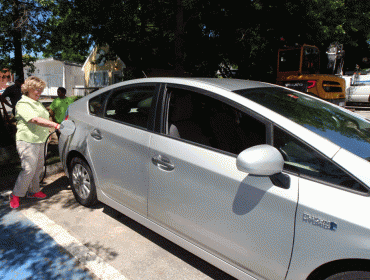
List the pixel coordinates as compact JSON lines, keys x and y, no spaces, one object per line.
{"x":259,"y":180}
{"x":358,"y":89}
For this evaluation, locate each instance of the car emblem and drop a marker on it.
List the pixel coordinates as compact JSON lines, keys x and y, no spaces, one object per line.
{"x":315,"y":221}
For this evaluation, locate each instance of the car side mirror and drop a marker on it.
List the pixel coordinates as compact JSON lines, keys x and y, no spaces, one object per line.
{"x":264,"y":160}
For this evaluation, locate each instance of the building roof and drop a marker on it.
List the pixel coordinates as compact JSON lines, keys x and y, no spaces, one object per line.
{"x":59,"y":60}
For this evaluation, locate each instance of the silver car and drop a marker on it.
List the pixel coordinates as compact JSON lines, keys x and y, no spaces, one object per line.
{"x":259,"y":180}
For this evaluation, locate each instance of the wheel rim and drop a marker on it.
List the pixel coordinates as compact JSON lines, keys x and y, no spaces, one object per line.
{"x":81,"y":181}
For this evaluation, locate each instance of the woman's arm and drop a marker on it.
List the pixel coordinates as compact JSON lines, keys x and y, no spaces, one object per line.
{"x":45,"y":123}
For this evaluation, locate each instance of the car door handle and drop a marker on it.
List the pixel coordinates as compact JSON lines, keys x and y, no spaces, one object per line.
{"x":96,"y":134}
{"x":163,"y":163}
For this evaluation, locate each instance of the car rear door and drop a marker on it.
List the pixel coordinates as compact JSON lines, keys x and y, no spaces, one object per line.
{"x":197,"y":191}
{"x":118,"y":145}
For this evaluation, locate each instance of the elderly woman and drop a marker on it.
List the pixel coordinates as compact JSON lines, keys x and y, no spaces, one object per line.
{"x":32,"y":131}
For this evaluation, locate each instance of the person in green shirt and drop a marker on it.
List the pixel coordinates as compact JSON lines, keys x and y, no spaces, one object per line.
{"x":59,"y":105}
{"x":32,"y":131}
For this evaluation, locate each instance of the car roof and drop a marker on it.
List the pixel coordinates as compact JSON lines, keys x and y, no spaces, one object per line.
{"x":233,"y":84}
{"x":226,"y":84}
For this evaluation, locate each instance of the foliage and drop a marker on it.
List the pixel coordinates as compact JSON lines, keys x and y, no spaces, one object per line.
{"x":200,"y":37}
{"x":192,"y":37}
{"x":21,"y":32}
{"x":64,"y":38}
{"x":27,"y":29}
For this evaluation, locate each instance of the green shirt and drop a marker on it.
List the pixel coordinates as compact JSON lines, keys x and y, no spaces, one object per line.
{"x":27,"y":109}
{"x":59,"y":107}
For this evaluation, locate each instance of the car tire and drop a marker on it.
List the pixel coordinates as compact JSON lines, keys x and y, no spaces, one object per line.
{"x":82,"y":182}
{"x":350,"y":275}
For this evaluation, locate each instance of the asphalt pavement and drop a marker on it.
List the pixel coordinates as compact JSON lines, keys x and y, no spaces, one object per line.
{"x":27,"y":252}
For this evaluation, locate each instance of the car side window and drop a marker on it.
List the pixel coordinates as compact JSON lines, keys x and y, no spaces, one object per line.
{"x":205,"y":120}
{"x":96,"y":104}
{"x":302,"y":159}
{"x":131,"y":105}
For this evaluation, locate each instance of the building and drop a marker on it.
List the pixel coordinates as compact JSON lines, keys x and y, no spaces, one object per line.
{"x":58,"y":73}
{"x":99,"y":71}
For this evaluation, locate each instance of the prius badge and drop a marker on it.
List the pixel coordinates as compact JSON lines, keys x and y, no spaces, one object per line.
{"x":315,"y":221}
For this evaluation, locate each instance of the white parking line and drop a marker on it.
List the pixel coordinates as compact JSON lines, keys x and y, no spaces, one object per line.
{"x":86,"y":257}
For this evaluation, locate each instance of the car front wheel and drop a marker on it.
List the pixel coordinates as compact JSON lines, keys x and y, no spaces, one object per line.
{"x":82,"y":182}
{"x":350,"y":275}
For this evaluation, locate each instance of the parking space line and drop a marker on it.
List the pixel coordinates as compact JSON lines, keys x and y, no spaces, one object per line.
{"x":86,"y":257}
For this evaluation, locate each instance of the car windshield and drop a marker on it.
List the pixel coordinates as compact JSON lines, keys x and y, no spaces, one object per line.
{"x":329,"y":121}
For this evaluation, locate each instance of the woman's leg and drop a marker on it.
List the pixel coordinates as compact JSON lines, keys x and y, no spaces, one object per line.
{"x":29,"y":154}
{"x":40,"y":155}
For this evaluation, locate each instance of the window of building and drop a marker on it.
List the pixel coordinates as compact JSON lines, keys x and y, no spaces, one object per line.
{"x":99,"y":79}
{"x":117,"y":77}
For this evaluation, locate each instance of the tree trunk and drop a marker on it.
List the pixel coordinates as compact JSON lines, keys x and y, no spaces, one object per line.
{"x":17,"y":41}
{"x":179,"y":40}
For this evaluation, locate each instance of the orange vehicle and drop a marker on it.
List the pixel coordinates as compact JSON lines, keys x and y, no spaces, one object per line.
{"x":299,"y":68}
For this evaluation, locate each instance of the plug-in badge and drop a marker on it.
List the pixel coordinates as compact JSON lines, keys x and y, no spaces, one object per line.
{"x":315,"y":221}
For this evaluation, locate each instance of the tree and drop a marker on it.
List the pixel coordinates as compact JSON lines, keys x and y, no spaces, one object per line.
{"x":200,"y":37}
{"x":28,"y":29}
{"x":21,"y":33}
{"x":65,"y":36}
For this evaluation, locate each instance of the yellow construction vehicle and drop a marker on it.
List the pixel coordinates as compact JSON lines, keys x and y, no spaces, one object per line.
{"x":299,"y":68}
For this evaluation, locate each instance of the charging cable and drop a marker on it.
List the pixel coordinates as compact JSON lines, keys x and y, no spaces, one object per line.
{"x":66,"y":128}
{"x":45,"y":154}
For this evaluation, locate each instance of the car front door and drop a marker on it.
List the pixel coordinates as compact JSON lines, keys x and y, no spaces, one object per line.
{"x":197,"y":191}
{"x":119,"y":146}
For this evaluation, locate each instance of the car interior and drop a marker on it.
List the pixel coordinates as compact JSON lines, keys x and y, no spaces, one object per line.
{"x":211,"y":122}
{"x":130,"y":107}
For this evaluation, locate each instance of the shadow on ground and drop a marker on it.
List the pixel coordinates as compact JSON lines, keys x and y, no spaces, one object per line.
{"x":169,"y":246}
{"x":55,"y":191}
{"x":26,"y":252}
